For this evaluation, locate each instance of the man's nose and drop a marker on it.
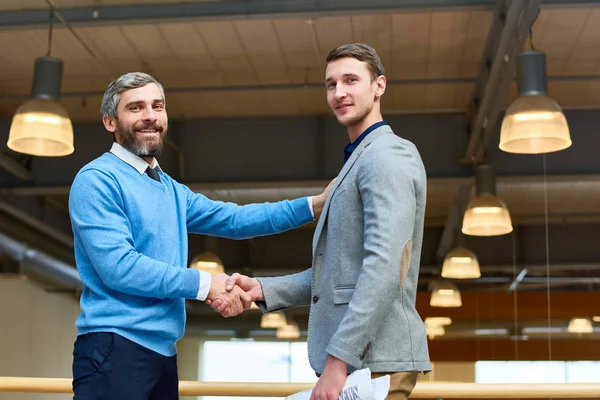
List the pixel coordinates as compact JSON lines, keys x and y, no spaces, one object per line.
{"x":149,"y":114}
{"x":340,"y":93}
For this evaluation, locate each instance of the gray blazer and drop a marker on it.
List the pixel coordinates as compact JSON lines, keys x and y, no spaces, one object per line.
{"x":366,"y":251}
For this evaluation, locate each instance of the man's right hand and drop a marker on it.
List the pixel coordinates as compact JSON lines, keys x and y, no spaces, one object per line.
{"x":250,"y":285}
{"x":228,"y":303}
{"x":318,"y":201}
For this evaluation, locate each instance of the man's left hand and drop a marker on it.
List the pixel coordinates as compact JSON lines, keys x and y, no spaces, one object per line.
{"x":332,"y":380}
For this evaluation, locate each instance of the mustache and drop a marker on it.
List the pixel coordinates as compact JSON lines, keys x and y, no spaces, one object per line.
{"x":155,"y":126}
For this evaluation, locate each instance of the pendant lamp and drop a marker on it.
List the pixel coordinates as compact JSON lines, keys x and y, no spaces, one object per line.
{"x":534,"y":123}
{"x":41,"y":126}
{"x":486,"y":214}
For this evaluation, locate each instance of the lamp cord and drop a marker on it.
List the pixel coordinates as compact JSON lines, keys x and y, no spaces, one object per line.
{"x":547,"y":258}
{"x":99,"y":62}
{"x":531,"y":29}
{"x":50,"y":33}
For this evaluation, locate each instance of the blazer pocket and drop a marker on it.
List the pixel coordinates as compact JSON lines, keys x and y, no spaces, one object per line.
{"x":343,"y":295}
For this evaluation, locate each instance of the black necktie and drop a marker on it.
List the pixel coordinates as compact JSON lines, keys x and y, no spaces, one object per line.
{"x":153,"y":174}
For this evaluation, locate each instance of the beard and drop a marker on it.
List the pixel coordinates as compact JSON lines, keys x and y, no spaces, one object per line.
{"x":141,"y":147}
{"x":361,"y":114}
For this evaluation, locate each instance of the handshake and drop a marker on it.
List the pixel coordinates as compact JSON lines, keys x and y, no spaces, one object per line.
{"x":231,"y":295}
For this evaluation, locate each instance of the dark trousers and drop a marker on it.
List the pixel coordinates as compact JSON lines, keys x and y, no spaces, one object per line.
{"x":108,"y":366}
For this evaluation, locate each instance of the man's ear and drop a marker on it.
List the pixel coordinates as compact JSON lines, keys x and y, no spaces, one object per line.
{"x":380,"y":83}
{"x":109,"y":123}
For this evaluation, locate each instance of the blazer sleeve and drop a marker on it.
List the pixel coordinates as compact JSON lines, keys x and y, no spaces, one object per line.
{"x":387,"y":182}
{"x":286,"y":291}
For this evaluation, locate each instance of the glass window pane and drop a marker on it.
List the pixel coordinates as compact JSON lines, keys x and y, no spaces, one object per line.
{"x":520,"y":372}
{"x":228,"y":361}
{"x":245,"y":362}
{"x":583,"y":372}
{"x":301,"y":369}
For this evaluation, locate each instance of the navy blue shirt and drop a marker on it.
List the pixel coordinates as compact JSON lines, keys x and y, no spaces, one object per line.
{"x":350,"y":147}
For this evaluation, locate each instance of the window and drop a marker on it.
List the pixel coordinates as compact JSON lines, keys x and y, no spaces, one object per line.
{"x":537,"y":371}
{"x":250,"y":361}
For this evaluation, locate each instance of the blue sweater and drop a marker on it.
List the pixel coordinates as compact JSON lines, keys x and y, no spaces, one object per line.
{"x":130,"y":238}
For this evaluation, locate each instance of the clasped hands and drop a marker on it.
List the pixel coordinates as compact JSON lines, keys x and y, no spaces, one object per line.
{"x":231,"y":295}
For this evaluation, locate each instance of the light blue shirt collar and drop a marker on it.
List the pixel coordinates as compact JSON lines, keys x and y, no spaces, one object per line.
{"x":136,"y":162}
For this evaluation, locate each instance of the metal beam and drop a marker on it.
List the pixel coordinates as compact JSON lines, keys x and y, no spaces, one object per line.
{"x":11,"y":165}
{"x":224,"y":10}
{"x":506,"y":38}
{"x":242,"y":9}
{"x":37,"y":224}
{"x":296,"y":86}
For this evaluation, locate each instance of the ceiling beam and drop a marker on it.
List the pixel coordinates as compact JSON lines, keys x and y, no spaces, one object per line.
{"x":224,"y":10}
{"x":14,"y":167}
{"x":242,"y":10}
{"x":37,"y":224}
{"x":506,"y":39}
{"x":292,"y":188}
{"x":295,"y":86}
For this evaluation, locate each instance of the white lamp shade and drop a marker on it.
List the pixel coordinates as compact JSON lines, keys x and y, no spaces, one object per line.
{"x":208,"y":262}
{"x":288,"y":331}
{"x":461,"y":263}
{"x":41,"y":127}
{"x":534,"y":125}
{"x":435,"y":330}
{"x":445,"y":294}
{"x":580,"y":325}
{"x":437,"y":321}
{"x":486,"y":215}
{"x":273,"y":320}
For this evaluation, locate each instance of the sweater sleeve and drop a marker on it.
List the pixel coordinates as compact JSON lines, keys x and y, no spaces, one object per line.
{"x":233,"y":221}
{"x":103,"y":232}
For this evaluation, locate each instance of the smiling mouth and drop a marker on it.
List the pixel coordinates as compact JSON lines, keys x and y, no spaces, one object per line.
{"x":342,"y":106}
{"x":148,"y":130}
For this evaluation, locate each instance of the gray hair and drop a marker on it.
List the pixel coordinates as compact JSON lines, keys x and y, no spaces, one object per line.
{"x":132,"y":80}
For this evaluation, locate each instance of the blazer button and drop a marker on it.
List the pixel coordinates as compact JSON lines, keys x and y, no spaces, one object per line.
{"x":315,"y":299}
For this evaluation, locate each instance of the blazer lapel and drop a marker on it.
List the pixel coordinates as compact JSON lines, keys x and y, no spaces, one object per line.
{"x":371,"y":137}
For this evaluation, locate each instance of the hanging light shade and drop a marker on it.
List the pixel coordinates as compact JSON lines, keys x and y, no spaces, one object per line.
{"x":437,"y":321}
{"x":445,"y":294}
{"x":580,"y":325}
{"x":273,"y":320}
{"x":208,"y":262}
{"x":534,"y":123}
{"x":41,"y":126}
{"x":461,"y":263}
{"x":486,"y":214}
{"x":434,"y":326}
{"x":434,"y":330}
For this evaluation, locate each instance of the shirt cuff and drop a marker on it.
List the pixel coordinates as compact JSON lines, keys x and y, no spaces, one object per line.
{"x":310,"y":205}
{"x":205,"y":282}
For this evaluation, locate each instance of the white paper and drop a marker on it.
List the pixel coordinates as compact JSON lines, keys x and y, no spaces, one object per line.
{"x":358,"y":386}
